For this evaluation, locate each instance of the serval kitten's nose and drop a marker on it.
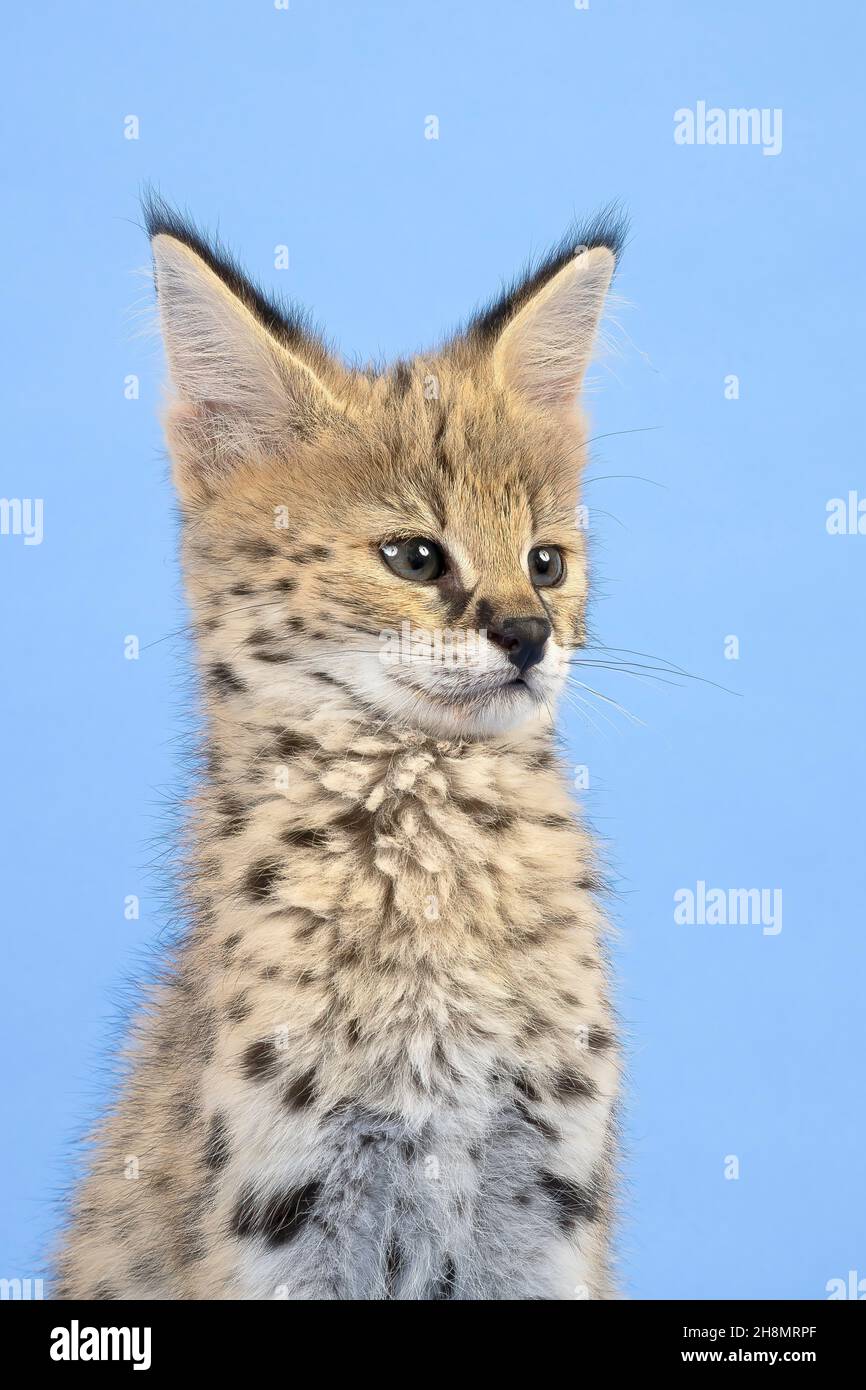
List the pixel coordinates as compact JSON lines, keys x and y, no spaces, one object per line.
{"x":522,"y":639}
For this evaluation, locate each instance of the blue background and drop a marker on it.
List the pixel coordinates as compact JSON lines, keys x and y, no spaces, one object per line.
{"x":306,"y":128}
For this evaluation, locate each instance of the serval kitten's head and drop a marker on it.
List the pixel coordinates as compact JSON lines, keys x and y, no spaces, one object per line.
{"x":410,"y":536}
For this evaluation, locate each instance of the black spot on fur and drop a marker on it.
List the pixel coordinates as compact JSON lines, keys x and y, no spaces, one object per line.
{"x":311,"y":553}
{"x":537,"y":1121}
{"x":572,"y":1201}
{"x":357,"y":821}
{"x":290,"y":743}
{"x":223,"y":679}
{"x":301,"y":1092}
{"x":242,"y":590}
{"x":234,"y":813}
{"x":598,"y":1038}
{"x":541,"y":761}
{"x":296,"y":625}
{"x":485,"y":814}
{"x":273,"y":658}
{"x":278,"y":1218}
{"x":285,"y":585}
{"x":256,"y":549}
{"x":302,"y":839}
{"x":238,"y":1009}
{"x":310,"y":924}
{"x":592,"y":882}
{"x":526,"y":1087}
{"x":394,"y":1262}
{"x":260,"y":879}
{"x":260,"y":1060}
{"x":230,"y":945}
{"x":216,"y":1153}
{"x":572,"y":1085}
{"x":445,"y":1284}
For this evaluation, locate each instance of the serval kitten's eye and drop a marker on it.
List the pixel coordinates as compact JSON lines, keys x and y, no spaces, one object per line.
{"x":418,"y":559}
{"x":546,"y":566}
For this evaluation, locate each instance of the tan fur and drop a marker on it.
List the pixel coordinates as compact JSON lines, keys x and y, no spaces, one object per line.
{"x":394,"y":930}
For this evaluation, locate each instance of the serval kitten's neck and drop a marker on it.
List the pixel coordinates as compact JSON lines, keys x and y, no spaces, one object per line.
{"x":263,"y":755}
{"x":292,"y":799}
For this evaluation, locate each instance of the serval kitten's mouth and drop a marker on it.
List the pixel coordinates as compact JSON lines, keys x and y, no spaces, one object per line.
{"x":478,"y":696}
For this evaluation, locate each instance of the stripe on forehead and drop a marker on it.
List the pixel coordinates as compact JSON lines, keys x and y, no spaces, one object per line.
{"x":402,"y":379}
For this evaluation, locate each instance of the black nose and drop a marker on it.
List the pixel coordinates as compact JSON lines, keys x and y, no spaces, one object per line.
{"x":522,"y":639}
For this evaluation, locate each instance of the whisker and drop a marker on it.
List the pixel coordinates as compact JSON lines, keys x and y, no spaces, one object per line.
{"x":641,"y":429}
{"x":583,"y":708}
{"x":192,"y":628}
{"x":672,"y":667}
{"x":648,"y":672}
{"x":634,"y":477}
{"x":610,"y":701}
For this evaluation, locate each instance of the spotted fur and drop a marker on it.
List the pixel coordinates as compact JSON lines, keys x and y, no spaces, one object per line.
{"x":382,"y":1063}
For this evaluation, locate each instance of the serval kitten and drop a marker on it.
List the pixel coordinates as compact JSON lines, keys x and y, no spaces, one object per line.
{"x":382,"y":1064}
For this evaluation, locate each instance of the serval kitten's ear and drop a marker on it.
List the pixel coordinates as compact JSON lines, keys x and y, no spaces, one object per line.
{"x":242,"y":390}
{"x":545,"y":327}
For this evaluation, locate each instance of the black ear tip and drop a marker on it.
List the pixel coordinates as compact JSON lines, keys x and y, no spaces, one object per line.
{"x":153,"y":210}
{"x":288,"y":323}
{"x":609,"y":227}
{"x":160,"y":217}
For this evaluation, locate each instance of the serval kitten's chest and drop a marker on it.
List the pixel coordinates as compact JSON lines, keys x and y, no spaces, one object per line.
{"x":416,"y":912}
{"x":402,"y":955}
